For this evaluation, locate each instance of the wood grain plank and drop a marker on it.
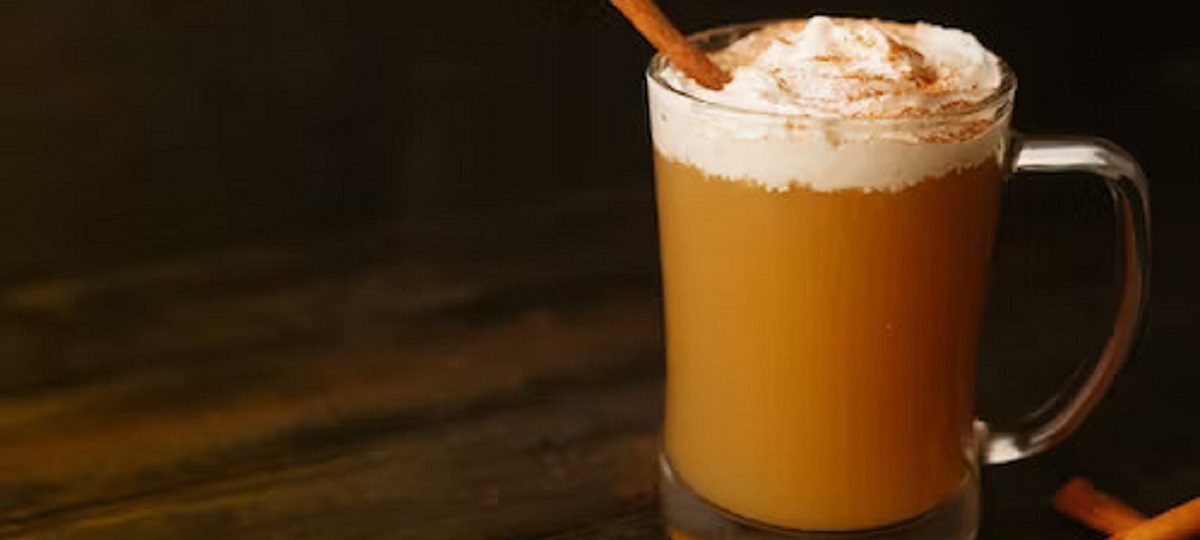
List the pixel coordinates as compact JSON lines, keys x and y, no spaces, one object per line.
{"x":524,"y":471}
{"x":250,"y":408}
{"x":644,"y":525}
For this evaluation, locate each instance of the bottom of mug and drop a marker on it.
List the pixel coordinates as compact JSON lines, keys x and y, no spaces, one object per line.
{"x":687,"y":516}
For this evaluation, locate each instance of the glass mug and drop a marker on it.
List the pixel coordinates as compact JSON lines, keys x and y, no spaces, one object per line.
{"x":821,"y":345}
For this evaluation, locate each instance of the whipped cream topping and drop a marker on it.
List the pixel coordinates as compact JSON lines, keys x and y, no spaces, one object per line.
{"x":852,"y":68}
{"x":821,"y":71}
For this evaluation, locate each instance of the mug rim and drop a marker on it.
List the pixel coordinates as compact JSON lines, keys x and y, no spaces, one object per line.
{"x":999,"y":99}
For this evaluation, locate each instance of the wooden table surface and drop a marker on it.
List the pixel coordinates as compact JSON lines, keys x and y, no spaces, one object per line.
{"x":486,"y":375}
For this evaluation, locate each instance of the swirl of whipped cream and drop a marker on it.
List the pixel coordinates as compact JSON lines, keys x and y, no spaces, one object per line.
{"x":852,"y":68}
{"x":809,"y":75}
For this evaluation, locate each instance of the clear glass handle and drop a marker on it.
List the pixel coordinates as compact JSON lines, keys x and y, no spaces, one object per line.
{"x":1064,"y":412}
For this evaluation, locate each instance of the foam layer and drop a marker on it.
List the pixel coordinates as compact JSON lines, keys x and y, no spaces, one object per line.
{"x":922,"y":83}
{"x":852,"y":68}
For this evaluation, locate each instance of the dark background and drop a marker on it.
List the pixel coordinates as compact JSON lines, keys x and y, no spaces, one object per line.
{"x":140,"y":130}
{"x":144,"y":126}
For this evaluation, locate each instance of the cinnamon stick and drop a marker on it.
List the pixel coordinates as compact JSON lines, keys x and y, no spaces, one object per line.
{"x":658,"y":30}
{"x":1178,"y":523}
{"x":1080,"y":500}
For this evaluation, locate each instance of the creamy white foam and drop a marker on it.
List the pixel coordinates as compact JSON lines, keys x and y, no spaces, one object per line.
{"x":821,"y":72}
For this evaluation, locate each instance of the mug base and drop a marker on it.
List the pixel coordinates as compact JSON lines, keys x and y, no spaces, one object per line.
{"x":687,"y":516}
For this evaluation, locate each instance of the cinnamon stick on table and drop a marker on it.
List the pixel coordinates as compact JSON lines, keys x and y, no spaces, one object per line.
{"x":1178,"y":523}
{"x":1079,"y":500}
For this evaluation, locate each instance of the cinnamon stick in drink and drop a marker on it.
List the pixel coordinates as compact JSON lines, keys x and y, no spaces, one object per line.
{"x":658,"y":30}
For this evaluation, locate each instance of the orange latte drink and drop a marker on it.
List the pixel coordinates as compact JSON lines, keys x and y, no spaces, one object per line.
{"x":826,"y":225}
